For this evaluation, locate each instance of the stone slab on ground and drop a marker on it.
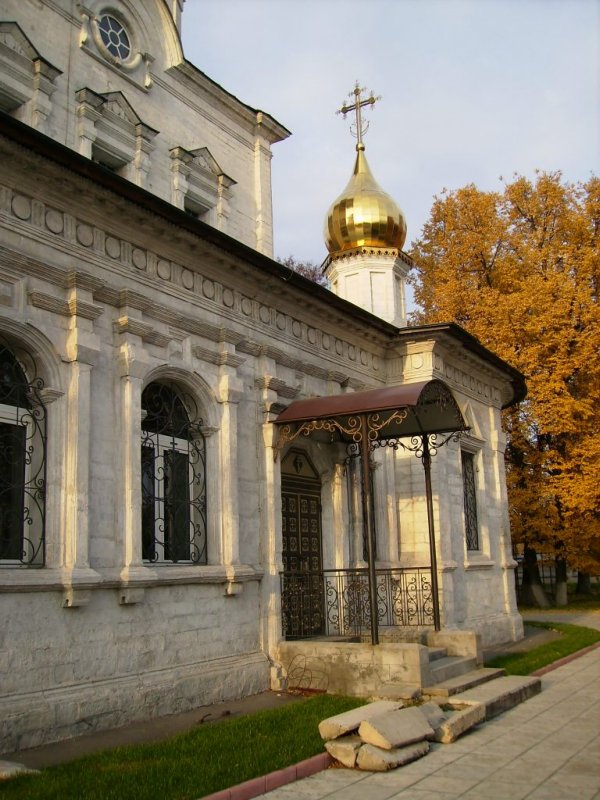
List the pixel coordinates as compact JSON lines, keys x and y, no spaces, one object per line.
{"x":396,"y":728}
{"x":433,"y":714}
{"x":499,"y":695}
{"x":345,"y":749}
{"x":374,"y":759}
{"x":9,"y":769}
{"x":461,"y":683}
{"x":459,"y":722}
{"x":349,"y":721}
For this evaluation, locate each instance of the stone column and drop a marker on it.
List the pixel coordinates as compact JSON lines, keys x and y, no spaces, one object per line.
{"x":262,"y":191}
{"x":44,"y":75}
{"x":133,"y":366}
{"x":83,"y":348}
{"x":89,"y":111}
{"x":180,"y":171}
{"x":230,"y":393}
{"x":223,"y":197}
{"x":340,"y":518}
{"x":390,"y":550}
{"x":271,"y":550}
{"x":144,"y":146}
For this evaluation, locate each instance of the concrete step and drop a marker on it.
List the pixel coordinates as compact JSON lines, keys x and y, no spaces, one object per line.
{"x":435,"y":653}
{"x":442,"y":669}
{"x":498,"y":695}
{"x":461,"y":683}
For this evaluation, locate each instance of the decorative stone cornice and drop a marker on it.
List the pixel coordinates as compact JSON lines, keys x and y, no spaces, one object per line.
{"x":277,"y":385}
{"x":222,"y":358}
{"x":101,"y":249}
{"x":146,"y":332}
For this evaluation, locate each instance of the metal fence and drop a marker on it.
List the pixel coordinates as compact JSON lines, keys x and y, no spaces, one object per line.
{"x":336,"y":602}
{"x":547,"y":569}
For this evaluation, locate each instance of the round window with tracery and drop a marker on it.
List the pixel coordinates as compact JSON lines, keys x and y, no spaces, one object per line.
{"x":114,"y":37}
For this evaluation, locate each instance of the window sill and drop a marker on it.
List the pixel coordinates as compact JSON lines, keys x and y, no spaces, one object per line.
{"x":479,"y":562}
{"x":48,"y":579}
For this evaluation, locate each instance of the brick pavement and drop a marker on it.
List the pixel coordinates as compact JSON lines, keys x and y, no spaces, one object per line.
{"x":545,"y":749}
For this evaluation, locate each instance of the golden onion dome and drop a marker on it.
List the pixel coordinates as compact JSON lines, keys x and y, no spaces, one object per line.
{"x":364,"y":215}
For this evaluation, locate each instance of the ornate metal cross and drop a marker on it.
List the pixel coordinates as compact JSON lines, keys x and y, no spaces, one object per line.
{"x":356,"y":106}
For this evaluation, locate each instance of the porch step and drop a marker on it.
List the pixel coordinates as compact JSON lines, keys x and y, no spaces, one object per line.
{"x":498,"y":695}
{"x":461,"y":683}
{"x":442,"y":669}
{"x":436,"y":653}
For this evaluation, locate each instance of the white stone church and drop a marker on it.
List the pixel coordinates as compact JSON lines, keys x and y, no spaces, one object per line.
{"x":206,"y":459}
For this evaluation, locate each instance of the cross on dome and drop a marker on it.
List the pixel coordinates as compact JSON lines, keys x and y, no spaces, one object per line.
{"x":360,"y":127}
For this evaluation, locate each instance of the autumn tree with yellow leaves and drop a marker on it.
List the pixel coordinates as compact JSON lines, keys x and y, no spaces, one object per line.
{"x":520,"y":270}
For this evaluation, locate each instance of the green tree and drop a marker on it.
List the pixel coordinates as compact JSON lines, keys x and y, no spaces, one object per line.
{"x":520,"y":270}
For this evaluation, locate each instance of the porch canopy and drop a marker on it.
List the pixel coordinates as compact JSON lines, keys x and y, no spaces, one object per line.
{"x":392,"y":412}
{"x":364,"y":420}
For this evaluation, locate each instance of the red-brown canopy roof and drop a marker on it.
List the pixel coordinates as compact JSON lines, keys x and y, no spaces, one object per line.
{"x":392,"y":412}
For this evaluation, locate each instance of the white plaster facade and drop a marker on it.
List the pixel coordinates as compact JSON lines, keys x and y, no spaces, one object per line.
{"x":373,"y":279}
{"x":108,"y":285}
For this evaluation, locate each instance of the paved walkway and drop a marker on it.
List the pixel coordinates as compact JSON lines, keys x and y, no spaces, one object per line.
{"x":545,"y":749}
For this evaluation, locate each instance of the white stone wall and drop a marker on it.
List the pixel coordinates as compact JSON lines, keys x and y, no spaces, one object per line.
{"x":373,"y":279}
{"x":104,"y":307}
{"x":186,"y":108}
{"x":476,"y":587}
{"x":71,"y":671}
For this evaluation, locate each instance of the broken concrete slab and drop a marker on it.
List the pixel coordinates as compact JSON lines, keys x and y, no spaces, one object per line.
{"x":396,"y":728}
{"x":459,"y":722}
{"x":374,"y":759}
{"x":433,"y":714}
{"x":345,"y":749}
{"x":349,"y":721}
{"x":499,"y":695}
{"x":461,"y":683}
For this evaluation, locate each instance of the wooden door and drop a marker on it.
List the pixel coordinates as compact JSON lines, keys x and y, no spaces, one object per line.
{"x":303,"y":602}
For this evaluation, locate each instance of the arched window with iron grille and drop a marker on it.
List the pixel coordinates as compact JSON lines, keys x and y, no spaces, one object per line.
{"x":22,"y":464}
{"x":173,"y":477}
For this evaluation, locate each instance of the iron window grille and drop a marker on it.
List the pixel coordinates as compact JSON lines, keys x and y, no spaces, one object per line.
{"x":173,"y":468}
{"x":22,"y":465}
{"x":470,"y":500}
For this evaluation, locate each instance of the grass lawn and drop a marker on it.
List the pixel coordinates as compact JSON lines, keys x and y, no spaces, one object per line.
{"x":212,"y":757}
{"x":573,"y":638}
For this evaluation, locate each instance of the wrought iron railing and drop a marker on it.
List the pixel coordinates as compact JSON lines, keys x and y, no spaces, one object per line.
{"x":336,"y":602}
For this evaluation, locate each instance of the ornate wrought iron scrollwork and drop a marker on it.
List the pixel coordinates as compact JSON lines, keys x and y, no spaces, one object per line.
{"x":22,"y":461}
{"x":380,"y":420}
{"x":288,"y":434}
{"x":437,"y":395}
{"x":174,"y":522}
{"x":404,"y":599}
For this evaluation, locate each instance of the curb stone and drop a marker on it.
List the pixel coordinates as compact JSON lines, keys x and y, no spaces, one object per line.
{"x":566,"y":660}
{"x":265,"y":783}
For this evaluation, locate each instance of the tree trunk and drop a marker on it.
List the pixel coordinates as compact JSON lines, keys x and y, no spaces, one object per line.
{"x":584,"y":583}
{"x":560,"y":591}
{"x":532,"y":591}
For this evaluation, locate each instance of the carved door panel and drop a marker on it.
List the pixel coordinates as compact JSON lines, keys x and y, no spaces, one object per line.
{"x":303,"y":601}
{"x":301,"y":528}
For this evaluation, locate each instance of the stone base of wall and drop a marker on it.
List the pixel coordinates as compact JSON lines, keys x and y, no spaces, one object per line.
{"x":35,"y":718}
{"x":498,"y":629}
{"x":354,"y":668}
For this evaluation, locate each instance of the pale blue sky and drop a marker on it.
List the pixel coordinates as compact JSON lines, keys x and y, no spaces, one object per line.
{"x":472,"y":90}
